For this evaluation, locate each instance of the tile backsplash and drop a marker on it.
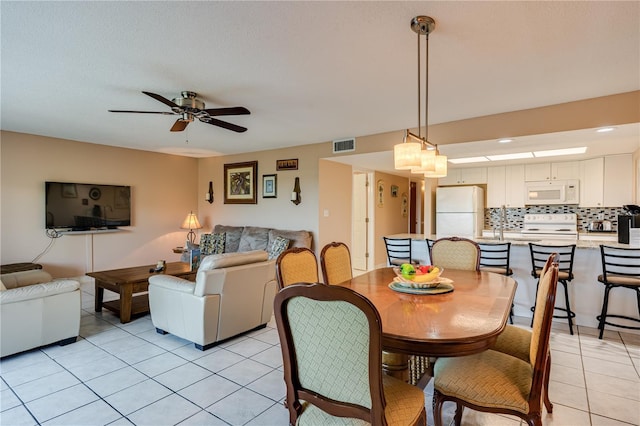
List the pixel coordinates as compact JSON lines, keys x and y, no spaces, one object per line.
{"x":585,"y":215}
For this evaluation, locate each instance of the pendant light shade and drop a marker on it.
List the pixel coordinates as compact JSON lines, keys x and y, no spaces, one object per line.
{"x":407,"y":155}
{"x":440,"y":167}
{"x":427,"y":162}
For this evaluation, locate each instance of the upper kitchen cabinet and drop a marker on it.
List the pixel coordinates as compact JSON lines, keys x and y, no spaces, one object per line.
{"x":470,"y":176}
{"x":505,"y":186}
{"x":592,"y":182}
{"x":618,"y":180}
{"x":552,"y":171}
{"x":606,"y":181}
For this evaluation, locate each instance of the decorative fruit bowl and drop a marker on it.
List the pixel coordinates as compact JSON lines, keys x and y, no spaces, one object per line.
{"x":427,"y":276}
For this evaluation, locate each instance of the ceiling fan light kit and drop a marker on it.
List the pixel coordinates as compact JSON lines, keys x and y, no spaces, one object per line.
{"x":188,"y":107}
{"x":420,"y":155}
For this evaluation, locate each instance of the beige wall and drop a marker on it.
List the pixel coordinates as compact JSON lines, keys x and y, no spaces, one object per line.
{"x":388,"y":218}
{"x":277,"y":212}
{"x":335,"y":197}
{"x":163,"y":191}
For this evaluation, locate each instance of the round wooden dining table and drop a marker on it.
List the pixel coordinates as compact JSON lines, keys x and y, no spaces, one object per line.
{"x":461,"y":322}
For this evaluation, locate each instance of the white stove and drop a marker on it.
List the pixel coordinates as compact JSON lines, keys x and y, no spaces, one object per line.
{"x":563,"y":226}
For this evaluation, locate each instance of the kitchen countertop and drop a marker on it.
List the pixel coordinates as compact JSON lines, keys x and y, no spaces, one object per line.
{"x":591,"y":240}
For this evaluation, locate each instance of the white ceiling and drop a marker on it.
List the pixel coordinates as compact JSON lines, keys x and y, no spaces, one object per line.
{"x":308,"y":71}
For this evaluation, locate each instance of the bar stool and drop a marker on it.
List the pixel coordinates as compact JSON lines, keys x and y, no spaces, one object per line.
{"x":399,"y":251}
{"x":539,"y":255}
{"x":620,"y":268}
{"x":495,"y":257}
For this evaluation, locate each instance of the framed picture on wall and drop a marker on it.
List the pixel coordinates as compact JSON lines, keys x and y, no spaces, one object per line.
{"x":269,"y":187}
{"x":241,"y":183}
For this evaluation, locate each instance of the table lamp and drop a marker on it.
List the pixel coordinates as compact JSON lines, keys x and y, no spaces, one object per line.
{"x":191,"y":223}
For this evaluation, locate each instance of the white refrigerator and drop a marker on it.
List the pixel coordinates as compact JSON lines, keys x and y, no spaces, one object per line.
{"x":459,"y":211}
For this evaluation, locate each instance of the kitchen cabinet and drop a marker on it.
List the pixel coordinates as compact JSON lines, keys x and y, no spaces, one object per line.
{"x":552,"y":171}
{"x":505,"y":186}
{"x":606,"y":181}
{"x":468,"y":176}
{"x":618,"y":179}
{"x":592,"y":182}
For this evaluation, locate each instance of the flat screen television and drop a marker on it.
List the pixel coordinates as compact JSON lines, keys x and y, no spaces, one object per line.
{"x":84,"y":206}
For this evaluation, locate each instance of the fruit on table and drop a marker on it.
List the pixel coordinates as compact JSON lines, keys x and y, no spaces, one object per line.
{"x":429,"y":276}
{"x":420,"y":274}
{"x":407,"y":270}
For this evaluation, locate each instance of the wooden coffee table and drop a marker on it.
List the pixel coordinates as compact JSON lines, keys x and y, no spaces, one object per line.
{"x":128,"y":281}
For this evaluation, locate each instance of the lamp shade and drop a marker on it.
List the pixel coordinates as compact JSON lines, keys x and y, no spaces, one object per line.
{"x":407,"y":155}
{"x":427,"y":162}
{"x":191,"y":222}
{"x":441,"y":167}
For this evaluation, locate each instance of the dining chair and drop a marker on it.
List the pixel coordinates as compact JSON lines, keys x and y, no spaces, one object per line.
{"x":620,"y":269}
{"x":456,"y":253}
{"x":496,"y":382}
{"x":539,"y":255}
{"x":331,"y":342}
{"x":399,"y":251}
{"x":296,"y":265}
{"x":335,"y":261}
{"x":516,"y":341}
{"x":495,"y":257}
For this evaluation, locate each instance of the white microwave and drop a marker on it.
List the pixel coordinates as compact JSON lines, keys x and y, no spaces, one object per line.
{"x":552,"y":192}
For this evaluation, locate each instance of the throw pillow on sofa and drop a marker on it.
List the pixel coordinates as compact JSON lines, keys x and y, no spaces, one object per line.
{"x":212,"y":243}
{"x":254,"y":238}
{"x":279,"y":245}
{"x":232,"y":239}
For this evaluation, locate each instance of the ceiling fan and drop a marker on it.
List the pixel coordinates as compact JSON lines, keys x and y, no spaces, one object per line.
{"x":188,"y":107}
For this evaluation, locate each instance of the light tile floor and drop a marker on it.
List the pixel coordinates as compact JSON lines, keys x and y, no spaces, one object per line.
{"x":123,"y":374}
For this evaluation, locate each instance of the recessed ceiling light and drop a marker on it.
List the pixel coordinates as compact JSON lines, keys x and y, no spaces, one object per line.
{"x":605,"y":129}
{"x":554,"y":152}
{"x":505,"y":140}
{"x":514,"y":156}
{"x":468,"y":160}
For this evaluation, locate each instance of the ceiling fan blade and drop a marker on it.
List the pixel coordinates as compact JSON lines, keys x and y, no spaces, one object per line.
{"x":143,"y":112}
{"x":224,"y":124}
{"x":161,"y":99}
{"x":227,"y":111}
{"x":179,"y":125}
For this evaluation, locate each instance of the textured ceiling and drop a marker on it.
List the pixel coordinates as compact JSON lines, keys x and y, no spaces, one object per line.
{"x":308,"y":71}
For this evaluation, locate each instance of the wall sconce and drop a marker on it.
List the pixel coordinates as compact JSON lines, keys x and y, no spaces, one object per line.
{"x":209,"y":195}
{"x":295,"y":195}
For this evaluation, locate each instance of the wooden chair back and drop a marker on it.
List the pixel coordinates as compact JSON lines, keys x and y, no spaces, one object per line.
{"x":312,"y":335}
{"x":456,"y":253}
{"x":296,"y":265}
{"x":335,"y":261}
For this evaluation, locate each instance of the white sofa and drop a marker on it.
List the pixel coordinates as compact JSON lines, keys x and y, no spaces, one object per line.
{"x":36,"y":310}
{"x":233,"y":293}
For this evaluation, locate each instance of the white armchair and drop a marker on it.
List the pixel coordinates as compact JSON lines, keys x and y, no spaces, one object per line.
{"x":233,"y":293}
{"x":36,"y":310}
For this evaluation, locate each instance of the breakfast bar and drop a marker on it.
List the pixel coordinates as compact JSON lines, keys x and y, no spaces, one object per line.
{"x":585,"y":292}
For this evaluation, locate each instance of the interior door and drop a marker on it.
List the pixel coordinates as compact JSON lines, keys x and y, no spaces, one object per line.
{"x":360,"y":222}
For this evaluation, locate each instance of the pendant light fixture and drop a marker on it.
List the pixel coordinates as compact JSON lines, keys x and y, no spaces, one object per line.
{"x":417,"y":153}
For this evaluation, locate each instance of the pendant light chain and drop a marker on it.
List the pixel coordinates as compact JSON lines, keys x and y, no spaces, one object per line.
{"x":426,"y":88}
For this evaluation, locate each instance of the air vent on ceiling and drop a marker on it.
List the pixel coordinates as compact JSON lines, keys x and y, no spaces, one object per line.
{"x":344,"y":145}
